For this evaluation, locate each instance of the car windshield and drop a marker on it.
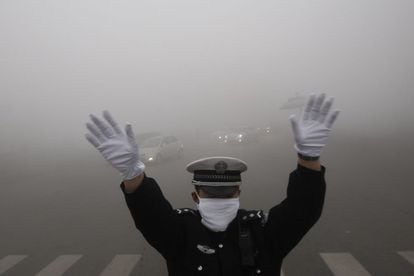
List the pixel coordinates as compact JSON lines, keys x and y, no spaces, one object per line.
{"x":151,"y":143}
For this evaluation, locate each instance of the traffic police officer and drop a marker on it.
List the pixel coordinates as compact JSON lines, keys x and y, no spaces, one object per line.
{"x":219,"y":238}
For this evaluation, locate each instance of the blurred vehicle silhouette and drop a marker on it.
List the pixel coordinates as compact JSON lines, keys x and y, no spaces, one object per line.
{"x":264,"y":130}
{"x":237,"y":135}
{"x":160,"y":148}
{"x":218,"y":136}
{"x":141,"y":137}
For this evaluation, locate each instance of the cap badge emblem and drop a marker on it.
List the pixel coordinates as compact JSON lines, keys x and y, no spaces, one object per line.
{"x":220,"y":167}
{"x":206,"y":249}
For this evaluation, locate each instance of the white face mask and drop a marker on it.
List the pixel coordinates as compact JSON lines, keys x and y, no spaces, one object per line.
{"x":217,"y":213}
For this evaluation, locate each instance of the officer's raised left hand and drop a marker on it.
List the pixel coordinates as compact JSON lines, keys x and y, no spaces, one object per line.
{"x":117,"y":146}
{"x":312,"y":131}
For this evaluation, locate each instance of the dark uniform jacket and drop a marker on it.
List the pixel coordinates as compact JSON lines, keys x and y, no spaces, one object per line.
{"x":191,"y":249}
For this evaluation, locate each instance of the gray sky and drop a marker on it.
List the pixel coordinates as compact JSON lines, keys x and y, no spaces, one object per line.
{"x":175,"y":64}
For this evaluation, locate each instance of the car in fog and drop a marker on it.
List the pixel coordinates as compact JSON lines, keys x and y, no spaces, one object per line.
{"x":160,"y":148}
{"x":237,"y":135}
{"x":264,"y":130}
{"x":218,"y":136}
{"x":141,"y":137}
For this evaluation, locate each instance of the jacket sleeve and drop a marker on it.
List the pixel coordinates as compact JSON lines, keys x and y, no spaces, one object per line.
{"x":154,"y":217}
{"x":289,"y":221}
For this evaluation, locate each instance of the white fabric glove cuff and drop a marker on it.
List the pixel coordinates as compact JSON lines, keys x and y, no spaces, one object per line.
{"x":309,"y":151}
{"x":134,"y":171}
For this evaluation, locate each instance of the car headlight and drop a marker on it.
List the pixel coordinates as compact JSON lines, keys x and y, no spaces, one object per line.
{"x":240,"y":136}
{"x":151,"y":159}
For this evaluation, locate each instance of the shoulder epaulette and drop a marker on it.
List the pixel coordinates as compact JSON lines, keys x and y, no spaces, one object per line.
{"x":184,"y":211}
{"x":251,"y":215}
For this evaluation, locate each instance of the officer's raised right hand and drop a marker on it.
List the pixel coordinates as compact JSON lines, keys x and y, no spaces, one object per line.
{"x":117,"y":146}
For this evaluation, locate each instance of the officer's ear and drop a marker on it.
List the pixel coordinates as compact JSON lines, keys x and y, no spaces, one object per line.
{"x":195,"y":197}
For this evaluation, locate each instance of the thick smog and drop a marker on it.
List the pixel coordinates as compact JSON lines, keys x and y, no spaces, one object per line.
{"x":185,"y":81}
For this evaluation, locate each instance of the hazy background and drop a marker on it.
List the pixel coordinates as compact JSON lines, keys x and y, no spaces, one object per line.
{"x":186,"y":63}
{"x":188,"y":68}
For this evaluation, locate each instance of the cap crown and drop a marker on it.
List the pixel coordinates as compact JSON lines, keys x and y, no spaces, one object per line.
{"x":217,"y":171}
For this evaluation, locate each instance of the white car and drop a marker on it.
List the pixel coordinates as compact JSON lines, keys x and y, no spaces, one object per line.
{"x":160,"y":148}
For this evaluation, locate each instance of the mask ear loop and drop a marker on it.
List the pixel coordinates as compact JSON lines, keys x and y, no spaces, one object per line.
{"x":198,"y":197}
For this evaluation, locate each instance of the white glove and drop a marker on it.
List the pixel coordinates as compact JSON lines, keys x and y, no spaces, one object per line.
{"x":118,"y":147}
{"x":312,"y":131}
